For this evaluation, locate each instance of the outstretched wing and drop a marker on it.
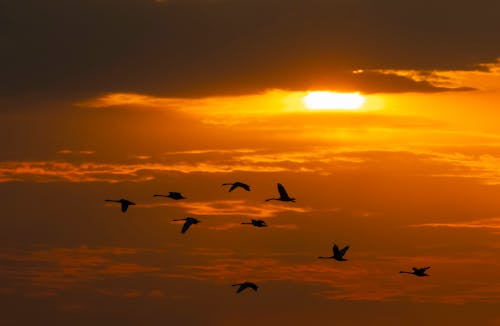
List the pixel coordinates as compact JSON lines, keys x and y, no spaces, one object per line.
{"x":253,"y":286}
{"x":241,"y":288}
{"x":234,"y":186}
{"x":245,"y":186}
{"x":335,"y":250}
{"x":416,"y":270}
{"x":282,"y":191}
{"x":344,"y":250}
{"x":124,"y":206}
{"x":186,"y":226}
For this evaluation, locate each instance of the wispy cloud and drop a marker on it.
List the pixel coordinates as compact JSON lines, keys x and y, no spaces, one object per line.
{"x":238,"y":208}
{"x":46,"y":271}
{"x":230,"y":226}
{"x":492,"y":224}
{"x":483,"y":167}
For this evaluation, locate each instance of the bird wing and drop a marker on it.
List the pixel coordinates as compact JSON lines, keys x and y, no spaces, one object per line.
{"x":282,"y":191}
{"x":245,"y":186}
{"x":241,"y":288}
{"x":124,"y":206}
{"x":425,"y":268}
{"x":234,"y":186}
{"x":186,"y":226}
{"x":344,"y":250}
{"x":335,"y":250}
{"x":416,"y":270}
{"x":253,"y":286}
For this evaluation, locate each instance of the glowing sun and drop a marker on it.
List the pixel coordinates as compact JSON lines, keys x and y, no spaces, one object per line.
{"x":329,"y":100}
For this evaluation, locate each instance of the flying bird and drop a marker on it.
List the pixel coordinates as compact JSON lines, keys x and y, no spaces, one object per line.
{"x":125,"y":203}
{"x":188,"y":222}
{"x":245,"y":285}
{"x":256,"y":223}
{"x":418,"y":271}
{"x":236,"y":185}
{"x":337,"y":254}
{"x":283,"y":194}
{"x":172,"y":194}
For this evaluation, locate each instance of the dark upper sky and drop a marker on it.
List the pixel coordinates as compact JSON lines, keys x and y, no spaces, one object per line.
{"x":80,"y":48}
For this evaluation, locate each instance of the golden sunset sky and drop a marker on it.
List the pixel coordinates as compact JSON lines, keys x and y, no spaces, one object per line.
{"x":117,"y":99}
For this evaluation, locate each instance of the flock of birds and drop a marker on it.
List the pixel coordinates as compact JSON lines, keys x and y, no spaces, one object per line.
{"x":338,"y":254}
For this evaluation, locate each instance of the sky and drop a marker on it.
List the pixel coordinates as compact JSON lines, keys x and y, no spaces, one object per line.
{"x":125,"y":99}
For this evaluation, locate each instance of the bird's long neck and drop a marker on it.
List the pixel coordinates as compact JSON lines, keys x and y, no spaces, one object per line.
{"x":407,"y":272}
{"x":113,"y":200}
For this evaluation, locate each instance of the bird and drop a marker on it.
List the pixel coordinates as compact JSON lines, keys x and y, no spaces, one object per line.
{"x":125,"y":203}
{"x":188,"y":222}
{"x":245,"y":285}
{"x":256,"y":223}
{"x":172,"y":194}
{"x":418,"y":271}
{"x":236,"y":185}
{"x":337,"y":254}
{"x":283,"y":194}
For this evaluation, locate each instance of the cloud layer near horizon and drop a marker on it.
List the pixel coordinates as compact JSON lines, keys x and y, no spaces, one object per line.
{"x":197,"y":48}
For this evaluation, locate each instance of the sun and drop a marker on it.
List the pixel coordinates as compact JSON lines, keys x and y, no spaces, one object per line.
{"x":324,"y":100}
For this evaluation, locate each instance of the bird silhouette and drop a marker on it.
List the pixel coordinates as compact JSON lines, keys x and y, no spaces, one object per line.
{"x":236,"y":185}
{"x":246,"y":285}
{"x":283,"y":195}
{"x":418,"y":271}
{"x":256,"y":223}
{"x":125,"y":203}
{"x":172,"y":194}
{"x":337,"y":254}
{"x":188,"y":222}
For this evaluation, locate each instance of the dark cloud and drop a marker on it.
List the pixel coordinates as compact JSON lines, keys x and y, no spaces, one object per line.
{"x":195,"y":48}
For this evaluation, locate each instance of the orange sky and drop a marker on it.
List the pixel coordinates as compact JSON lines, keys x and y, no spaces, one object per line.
{"x":412,"y":178}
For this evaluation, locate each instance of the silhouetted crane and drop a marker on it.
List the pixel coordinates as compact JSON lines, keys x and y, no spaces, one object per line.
{"x":188,"y":222}
{"x":172,"y":194}
{"x":256,"y":223}
{"x":125,"y":203}
{"x":283,"y":195}
{"x":418,"y":271}
{"x":236,"y":185}
{"x":246,"y":285}
{"x":337,"y":254}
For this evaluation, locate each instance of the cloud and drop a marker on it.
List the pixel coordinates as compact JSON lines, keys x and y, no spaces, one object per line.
{"x":78,"y":152}
{"x":488,"y":224}
{"x":368,"y":276}
{"x":230,"y":226}
{"x":238,"y":208}
{"x":45,"y":272}
{"x":364,"y":280}
{"x":199,"y":48}
{"x":318,"y":160}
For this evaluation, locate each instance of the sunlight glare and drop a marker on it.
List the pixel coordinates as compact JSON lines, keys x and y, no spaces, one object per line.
{"x":324,"y":100}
